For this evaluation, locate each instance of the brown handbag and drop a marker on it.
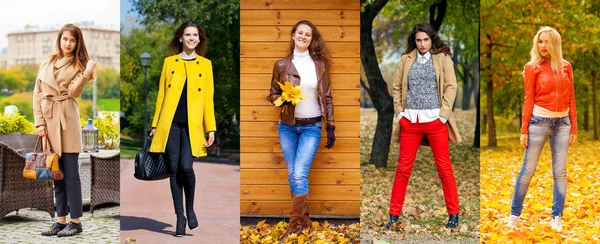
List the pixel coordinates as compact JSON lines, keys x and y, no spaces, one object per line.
{"x":42,"y":165}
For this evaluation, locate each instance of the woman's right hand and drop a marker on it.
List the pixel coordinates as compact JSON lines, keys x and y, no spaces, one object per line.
{"x":152,"y":131}
{"x":89,"y":67}
{"x":42,"y":131}
{"x":523,"y":140}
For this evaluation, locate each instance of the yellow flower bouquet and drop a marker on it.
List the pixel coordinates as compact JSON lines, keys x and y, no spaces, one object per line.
{"x":291,"y":93}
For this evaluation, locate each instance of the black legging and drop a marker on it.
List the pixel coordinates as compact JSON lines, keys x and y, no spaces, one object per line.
{"x":68,"y":191}
{"x":179,"y":156}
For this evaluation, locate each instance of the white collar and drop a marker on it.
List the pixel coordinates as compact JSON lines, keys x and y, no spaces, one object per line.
{"x":427,"y":55}
{"x":301,"y":54}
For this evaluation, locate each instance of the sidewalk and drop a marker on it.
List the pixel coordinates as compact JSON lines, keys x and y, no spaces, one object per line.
{"x":27,"y":226}
{"x":147,"y":214}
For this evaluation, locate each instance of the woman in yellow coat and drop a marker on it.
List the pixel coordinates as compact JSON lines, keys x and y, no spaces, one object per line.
{"x":184,"y":113}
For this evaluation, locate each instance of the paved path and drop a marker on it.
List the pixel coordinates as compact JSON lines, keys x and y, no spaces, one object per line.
{"x":28,"y":224}
{"x":147,"y":214}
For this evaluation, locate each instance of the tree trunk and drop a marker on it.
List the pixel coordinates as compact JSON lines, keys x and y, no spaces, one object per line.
{"x":490,"y":103}
{"x":595,"y":104}
{"x":380,"y":96}
{"x":477,"y":137}
{"x":484,"y":128}
{"x":436,"y":21}
{"x":586,"y":116}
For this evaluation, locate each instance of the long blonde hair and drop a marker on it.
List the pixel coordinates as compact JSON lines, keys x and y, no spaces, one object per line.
{"x":554,"y":49}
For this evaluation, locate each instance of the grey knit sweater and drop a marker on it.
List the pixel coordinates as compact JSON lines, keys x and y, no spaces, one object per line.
{"x":422,"y":88}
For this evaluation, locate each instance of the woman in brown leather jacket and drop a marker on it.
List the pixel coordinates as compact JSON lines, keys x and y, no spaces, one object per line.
{"x":549,"y":111}
{"x":300,"y":125}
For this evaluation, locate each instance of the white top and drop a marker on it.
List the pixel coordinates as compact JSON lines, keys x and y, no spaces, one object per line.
{"x":542,"y":112}
{"x":308,"y":107}
{"x":424,"y":115}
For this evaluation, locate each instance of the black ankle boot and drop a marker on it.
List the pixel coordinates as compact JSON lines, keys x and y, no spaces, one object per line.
{"x":191,"y":218}
{"x":180,"y":229}
{"x":452,"y":221}
{"x":393,"y":220}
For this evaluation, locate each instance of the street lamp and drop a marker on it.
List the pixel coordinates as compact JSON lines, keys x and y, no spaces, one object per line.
{"x":145,"y":58}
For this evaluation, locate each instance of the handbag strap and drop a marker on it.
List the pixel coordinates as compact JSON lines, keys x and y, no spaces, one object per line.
{"x":147,"y":144}
{"x":37,"y":143}
{"x":49,"y":145}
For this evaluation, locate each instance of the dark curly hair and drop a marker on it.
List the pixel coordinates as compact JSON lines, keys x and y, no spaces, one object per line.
{"x":317,"y":48}
{"x":437,"y":45}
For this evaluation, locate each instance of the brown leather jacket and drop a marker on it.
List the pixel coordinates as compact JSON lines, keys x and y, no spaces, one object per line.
{"x":284,"y":70}
{"x":549,"y":91}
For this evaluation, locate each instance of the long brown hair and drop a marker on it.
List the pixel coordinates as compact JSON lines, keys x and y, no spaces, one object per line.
{"x":437,"y":45}
{"x":317,"y":48}
{"x":175,"y":46}
{"x":80,"y":52}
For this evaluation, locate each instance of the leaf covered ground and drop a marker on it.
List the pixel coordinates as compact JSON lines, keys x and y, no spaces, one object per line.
{"x":424,"y":212}
{"x":320,"y":233}
{"x":500,"y":167}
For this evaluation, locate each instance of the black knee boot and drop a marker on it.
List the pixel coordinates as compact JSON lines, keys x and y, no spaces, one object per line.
{"x":189,"y":188}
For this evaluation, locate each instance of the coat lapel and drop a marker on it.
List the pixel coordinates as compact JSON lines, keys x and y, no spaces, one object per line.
{"x":291,"y":70}
{"x":46,"y":75}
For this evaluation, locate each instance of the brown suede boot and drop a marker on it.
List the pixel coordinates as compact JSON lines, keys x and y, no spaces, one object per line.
{"x":305,"y":223}
{"x":295,"y":217}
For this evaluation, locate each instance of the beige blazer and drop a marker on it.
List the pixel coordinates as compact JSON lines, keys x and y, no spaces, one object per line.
{"x":446,"y":83}
{"x":54,"y":105}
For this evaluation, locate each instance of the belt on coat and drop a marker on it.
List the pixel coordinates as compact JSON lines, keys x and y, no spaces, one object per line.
{"x":55,"y":100}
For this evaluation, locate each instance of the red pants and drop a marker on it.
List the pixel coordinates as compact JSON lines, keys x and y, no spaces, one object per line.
{"x":410,"y":139}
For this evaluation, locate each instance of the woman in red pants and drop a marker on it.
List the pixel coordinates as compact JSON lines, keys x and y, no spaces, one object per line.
{"x":424,"y":92}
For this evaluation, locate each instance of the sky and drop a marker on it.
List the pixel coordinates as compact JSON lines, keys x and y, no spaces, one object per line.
{"x":17,"y":14}
{"x":127,"y":17}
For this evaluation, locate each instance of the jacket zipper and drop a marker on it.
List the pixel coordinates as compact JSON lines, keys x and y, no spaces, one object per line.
{"x":556,"y":91}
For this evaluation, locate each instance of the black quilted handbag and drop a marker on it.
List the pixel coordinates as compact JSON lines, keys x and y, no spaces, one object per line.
{"x":150,"y":166}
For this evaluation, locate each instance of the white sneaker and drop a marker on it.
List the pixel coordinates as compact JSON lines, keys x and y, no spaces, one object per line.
{"x":513,"y":221}
{"x":556,"y":223}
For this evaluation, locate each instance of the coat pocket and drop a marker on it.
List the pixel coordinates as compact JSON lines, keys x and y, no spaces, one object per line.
{"x":46,"y":108}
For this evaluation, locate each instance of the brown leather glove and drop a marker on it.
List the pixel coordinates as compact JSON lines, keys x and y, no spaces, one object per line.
{"x":330,"y":136}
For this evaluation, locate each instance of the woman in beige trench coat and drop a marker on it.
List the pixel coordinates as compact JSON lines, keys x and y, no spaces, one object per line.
{"x":61,"y":79}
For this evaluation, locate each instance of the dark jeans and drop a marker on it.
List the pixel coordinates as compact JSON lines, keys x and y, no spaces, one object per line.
{"x":179,"y":156}
{"x":68,"y":191}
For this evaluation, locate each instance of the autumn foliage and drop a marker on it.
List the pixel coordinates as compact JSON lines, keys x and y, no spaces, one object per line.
{"x":499,"y":169}
{"x":424,"y":213}
{"x":319,"y":233}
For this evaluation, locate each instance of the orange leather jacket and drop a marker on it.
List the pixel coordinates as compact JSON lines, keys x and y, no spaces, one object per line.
{"x":284,"y":70}
{"x":547,"y":90}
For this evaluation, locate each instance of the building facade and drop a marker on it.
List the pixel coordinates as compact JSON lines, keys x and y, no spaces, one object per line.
{"x":33,"y":44}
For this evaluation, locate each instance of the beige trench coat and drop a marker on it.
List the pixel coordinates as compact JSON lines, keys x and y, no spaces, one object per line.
{"x":446,"y":83}
{"x":54,"y":105}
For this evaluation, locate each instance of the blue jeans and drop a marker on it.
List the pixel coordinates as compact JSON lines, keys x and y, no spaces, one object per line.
{"x":299,"y":144}
{"x":558,"y":129}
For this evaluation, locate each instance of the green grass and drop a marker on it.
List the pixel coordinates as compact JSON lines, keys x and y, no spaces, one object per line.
{"x":130,"y":147}
{"x":109,"y":104}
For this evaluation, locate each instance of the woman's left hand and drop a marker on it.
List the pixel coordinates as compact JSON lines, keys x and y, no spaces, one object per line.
{"x":572,"y":139}
{"x":210,"y":140}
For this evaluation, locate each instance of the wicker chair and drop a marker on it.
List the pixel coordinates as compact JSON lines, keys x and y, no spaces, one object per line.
{"x":17,"y":192}
{"x":105,"y":186}
{"x":22,"y":143}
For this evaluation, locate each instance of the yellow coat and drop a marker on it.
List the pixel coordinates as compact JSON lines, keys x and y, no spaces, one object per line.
{"x":201,"y":112}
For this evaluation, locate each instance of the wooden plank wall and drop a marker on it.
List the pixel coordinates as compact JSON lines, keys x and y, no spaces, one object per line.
{"x":334,"y":178}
